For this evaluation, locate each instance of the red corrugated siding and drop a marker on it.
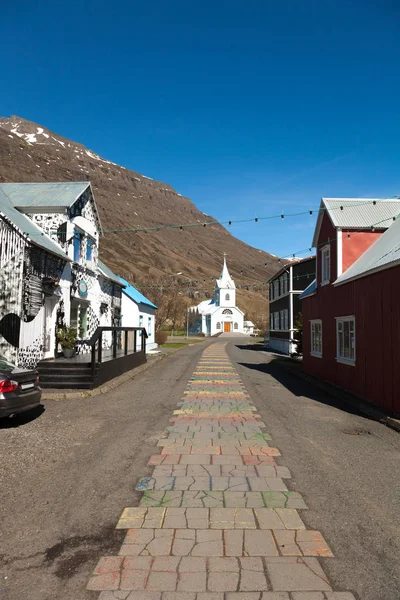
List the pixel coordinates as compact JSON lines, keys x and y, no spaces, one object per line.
{"x":374,"y":301}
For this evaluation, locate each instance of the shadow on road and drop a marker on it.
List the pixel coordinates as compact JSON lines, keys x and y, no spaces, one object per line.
{"x":251,"y":347}
{"x":300,"y":387}
{"x":22,"y":418}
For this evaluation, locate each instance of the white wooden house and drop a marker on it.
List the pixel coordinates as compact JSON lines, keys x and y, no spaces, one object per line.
{"x":50,"y":274}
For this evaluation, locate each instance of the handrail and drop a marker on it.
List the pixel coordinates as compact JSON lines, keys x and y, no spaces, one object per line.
{"x":98,"y":337}
{"x":100,"y":330}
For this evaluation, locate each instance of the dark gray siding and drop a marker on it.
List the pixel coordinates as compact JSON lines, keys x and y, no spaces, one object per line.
{"x":279,"y":304}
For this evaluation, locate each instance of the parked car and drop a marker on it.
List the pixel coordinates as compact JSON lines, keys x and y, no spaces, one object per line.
{"x":19,"y":389}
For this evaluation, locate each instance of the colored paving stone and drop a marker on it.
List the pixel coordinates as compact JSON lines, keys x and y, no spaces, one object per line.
{"x":216,"y":520}
{"x":240,"y":484}
{"x":206,"y":499}
{"x":239,"y":470}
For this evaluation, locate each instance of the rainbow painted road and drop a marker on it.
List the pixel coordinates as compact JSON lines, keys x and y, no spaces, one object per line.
{"x":217,"y":520}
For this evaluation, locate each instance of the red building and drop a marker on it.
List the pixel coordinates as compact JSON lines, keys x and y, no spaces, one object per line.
{"x":351,"y":312}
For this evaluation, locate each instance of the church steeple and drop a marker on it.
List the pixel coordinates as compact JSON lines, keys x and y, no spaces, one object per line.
{"x":225,"y":289}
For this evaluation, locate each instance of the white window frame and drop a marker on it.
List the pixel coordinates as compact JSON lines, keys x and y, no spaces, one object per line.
{"x":340,"y":322}
{"x":325,"y":259}
{"x":314,"y":324}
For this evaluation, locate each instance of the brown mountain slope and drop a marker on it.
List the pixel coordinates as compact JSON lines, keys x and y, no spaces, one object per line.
{"x":29,"y":152}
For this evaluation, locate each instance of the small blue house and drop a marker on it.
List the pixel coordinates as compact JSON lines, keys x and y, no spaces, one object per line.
{"x":138,"y":311}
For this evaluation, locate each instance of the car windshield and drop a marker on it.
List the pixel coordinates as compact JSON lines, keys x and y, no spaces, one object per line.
{"x":5,"y":366}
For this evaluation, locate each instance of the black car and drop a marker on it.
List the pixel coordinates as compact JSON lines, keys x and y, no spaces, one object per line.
{"x":19,"y":389}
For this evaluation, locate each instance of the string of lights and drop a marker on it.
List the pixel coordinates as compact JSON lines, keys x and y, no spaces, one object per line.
{"x":229,"y":222}
{"x":285,"y":261}
{"x":240,"y":286}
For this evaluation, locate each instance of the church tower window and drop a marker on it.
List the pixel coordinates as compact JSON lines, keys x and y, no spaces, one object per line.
{"x":227,"y":297}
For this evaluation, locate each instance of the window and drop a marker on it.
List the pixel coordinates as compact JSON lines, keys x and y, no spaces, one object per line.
{"x":218,"y":325}
{"x":325,"y":265}
{"x":271,"y":321}
{"x":284,"y":284}
{"x":149,"y":326}
{"x":285,"y":319}
{"x":77,"y":245}
{"x":227,"y":297}
{"x":316,"y":338}
{"x":89,"y":249}
{"x":271,"y":291}
{"x":235,"y":326}
{"x":276,"y":288}
{"x":140,"y":324}
{"x":346,"y":339}
{"x":276,"y":320}
{"x":227,"y":311}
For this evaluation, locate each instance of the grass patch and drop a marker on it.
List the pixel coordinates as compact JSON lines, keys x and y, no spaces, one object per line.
{"x":174,"y":345}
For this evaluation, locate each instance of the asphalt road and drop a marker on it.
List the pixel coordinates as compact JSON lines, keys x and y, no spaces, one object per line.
{"x":67,"y":472}
{"x":350,"y":482}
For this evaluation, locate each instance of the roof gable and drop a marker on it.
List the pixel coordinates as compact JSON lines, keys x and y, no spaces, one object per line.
{"x":357,"y":213}
{"x":28,"y":229}
{"x":61,"y":195}
{"x":383,"y":254}
{"x":56,"y":194}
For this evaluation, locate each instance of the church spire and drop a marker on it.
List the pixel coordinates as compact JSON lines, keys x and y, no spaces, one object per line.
{"x":225,"y":273}
{"x":225,"y":280}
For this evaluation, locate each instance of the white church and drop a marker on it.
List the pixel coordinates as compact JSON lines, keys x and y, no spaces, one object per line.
{"x":221,"y":315}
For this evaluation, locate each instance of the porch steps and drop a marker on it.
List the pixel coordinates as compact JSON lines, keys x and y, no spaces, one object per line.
{"x":67,"y":375}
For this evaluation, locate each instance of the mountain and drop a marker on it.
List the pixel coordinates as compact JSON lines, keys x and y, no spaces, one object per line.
{"x":31,"y":152}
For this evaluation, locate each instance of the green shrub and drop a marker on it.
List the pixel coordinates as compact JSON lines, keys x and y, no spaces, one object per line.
{"x":67,"y":337}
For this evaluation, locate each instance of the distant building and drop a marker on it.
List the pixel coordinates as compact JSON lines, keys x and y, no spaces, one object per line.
{"x":284,"y":304}
{"x":248,"y":327}
{"x":351,"y":311}
{"x":220,"y":314}
{"x":138,"y":311}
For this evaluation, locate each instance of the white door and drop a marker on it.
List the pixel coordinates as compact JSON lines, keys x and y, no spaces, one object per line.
{"x":49,"y":327}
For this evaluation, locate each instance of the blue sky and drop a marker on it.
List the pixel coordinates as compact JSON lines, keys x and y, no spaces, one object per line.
{"x":250,"y":108}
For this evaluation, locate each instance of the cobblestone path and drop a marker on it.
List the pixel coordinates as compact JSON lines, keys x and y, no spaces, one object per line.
{"x":216,"y":520}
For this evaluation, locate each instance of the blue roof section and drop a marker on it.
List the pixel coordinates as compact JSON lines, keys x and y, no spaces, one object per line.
{"x":106,"y":272}
{"x":28,"y":228}
{"x":134,"y":294}
{"x":310,"y":290}
{"x":57,"y":194}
